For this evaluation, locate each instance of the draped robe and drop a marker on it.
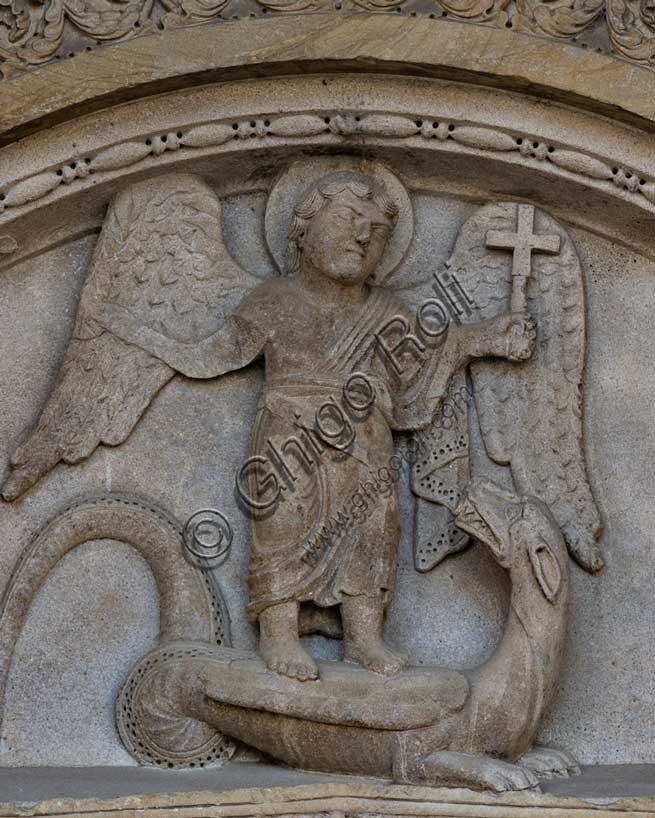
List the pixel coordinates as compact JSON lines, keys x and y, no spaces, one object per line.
{"x":292,"y":557}
{"x":336,"y":528}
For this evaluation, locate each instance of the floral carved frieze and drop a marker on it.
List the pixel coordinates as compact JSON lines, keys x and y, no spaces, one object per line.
{"x":632,"y":28}
{"x":35,"y":32}
{"x":32,"y":33}
{"x":557,"y":18}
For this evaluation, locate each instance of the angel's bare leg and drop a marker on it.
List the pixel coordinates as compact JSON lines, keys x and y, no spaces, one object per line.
{"x":362,"y":618}
{"x":279,"y":643}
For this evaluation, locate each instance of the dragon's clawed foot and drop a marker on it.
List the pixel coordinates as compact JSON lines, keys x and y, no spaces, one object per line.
{"x":549,"y":763}
{"x":476,"y":772}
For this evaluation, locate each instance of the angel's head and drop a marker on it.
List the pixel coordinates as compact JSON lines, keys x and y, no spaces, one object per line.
{"x":341,"y":228}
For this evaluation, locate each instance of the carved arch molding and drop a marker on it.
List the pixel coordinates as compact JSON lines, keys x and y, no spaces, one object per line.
{"x":479,"y":143}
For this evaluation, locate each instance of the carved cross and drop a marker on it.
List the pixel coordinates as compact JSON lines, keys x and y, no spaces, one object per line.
{"x":523,"y":243}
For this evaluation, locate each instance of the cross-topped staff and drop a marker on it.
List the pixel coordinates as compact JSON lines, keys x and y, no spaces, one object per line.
{"x":523,"y":243}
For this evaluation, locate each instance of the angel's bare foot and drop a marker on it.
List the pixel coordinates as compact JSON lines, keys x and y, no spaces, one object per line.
{"x":279,"y":643}
{"x":362,"y":618}
{"x":290,"y":660}
{"x":476,"y":772}
{"x":547,"y":762}
{"x":376,"y":656}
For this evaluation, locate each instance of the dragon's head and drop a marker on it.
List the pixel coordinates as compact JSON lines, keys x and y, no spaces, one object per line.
{"x":516,"y":530}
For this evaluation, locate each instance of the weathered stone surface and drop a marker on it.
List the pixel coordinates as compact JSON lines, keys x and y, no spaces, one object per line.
{"x":505,"y":194}
{"x":261,"y":790}
{"x":438,"y":48}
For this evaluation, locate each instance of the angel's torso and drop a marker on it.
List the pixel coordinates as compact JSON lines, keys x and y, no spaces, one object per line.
{"x":300,"y":335}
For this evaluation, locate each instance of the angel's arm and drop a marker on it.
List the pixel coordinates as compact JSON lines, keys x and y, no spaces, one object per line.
{"x":509,"y":336}
{"x":238,"y":342}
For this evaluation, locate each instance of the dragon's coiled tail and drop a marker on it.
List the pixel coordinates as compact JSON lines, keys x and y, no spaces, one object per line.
{"x":190,"y":606}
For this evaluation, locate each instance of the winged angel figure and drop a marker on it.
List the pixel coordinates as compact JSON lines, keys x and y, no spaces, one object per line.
{"x":164,"y":296}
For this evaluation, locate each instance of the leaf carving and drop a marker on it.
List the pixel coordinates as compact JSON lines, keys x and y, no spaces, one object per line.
{"x":581,"y":163}
{"x":120,"y":156}
{"x":632,"y":28}
{"x":215,"y":133}
{"x":108,"y":19}
{"x":557,"y":18}
{"x":294,"y":5}
{"x":384,"y":125}
{"x":478,"y":10}
{"x":34,"y":31}
{"x":648,"y":190}
{"x":299,"y":125}
{"x":379,"y":5}
{"x":182,"y":12}
{"x":31,"y":189}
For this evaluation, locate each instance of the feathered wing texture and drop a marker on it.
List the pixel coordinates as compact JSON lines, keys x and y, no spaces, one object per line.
{"x":161,"y":253}
{"x":531,"y":413}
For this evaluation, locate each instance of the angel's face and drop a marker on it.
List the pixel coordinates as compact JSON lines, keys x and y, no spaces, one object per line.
{"x":346,"y":239}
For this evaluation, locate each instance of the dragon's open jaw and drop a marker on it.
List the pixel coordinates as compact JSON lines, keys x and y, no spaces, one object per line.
{"x":487,"y":512}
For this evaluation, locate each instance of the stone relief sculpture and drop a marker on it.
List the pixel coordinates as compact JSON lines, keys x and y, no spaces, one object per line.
{"x":632,"y":29}
{"x":347,"y":364}
{"x":32,"y":34}
{"x":556,"y":19}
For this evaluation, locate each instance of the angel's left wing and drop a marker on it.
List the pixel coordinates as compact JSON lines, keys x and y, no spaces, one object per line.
{"x":531,"y":413}
{"x":161,"y":254}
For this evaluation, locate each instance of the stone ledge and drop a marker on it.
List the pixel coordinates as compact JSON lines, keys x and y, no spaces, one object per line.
{"x":300,"y":44}
{"x":244,"y":790}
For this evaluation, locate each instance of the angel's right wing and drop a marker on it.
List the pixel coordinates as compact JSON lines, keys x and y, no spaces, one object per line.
{"x":161,"y":254}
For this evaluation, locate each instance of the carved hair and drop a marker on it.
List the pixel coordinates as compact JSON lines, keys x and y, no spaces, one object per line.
{"x":326,"y":189}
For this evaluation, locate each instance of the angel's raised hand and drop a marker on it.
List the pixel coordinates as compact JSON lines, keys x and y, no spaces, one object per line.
{"x":521,"y":337}
{"x":510,"y":335}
